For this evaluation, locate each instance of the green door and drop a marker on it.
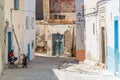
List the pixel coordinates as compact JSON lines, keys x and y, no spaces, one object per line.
{"x":57,"y":42}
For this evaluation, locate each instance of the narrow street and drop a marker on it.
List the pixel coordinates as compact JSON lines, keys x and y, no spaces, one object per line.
{"x":60,"y":39}
{"x":54,"y":68}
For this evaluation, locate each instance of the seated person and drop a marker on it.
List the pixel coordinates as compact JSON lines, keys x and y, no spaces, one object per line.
{"x":12,"y":58}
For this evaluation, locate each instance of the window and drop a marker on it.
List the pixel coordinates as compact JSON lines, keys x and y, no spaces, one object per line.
{"x":93,"y":28}
{"x":82,"y":10}
{"x":32,"y":44}
{"x":16,"y":4}
{"x":55,"y":17}
{"x":32,"y":23}
{"x":61,"y":16}
{"x":27,"y":22}
{"x":111,"y":16}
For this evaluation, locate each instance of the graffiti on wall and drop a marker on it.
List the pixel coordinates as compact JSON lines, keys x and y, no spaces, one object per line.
{"x":57,"y":6}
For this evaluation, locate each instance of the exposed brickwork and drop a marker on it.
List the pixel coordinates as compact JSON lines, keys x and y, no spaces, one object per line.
{"x":62,"y":6}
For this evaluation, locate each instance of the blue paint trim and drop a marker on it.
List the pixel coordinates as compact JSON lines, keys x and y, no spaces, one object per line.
{"x":116,"y":18}
{"x":116,"y":36}
{"x":116,"y":41}
{"x":28,"y":52}
{"x":9,"y":42}
{"x":111,"y":60}
{"x":9,"y":30}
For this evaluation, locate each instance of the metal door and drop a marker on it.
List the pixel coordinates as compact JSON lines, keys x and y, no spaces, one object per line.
{"x":57,"y":42}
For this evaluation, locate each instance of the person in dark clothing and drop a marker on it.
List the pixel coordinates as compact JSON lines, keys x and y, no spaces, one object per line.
{"x":24,"y":61}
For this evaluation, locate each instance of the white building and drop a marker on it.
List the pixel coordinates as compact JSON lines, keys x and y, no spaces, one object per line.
{"x":91,"y":26}
{"x":112,"y":22}
{"x":29,"y":38}
{"x":20,"y":28}
{"x":95,"y":30}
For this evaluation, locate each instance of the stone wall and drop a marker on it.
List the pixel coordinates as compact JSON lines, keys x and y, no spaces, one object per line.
{"x":41,"y":43}
{"x":2,"y":36}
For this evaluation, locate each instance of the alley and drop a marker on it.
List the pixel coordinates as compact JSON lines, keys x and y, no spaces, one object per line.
{"x":54,"y":68}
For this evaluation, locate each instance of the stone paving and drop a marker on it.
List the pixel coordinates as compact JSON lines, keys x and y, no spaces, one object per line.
{"x":54,"y":68}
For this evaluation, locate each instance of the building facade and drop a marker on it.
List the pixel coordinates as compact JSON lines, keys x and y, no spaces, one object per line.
{"x":59,"y":26}
{"x":80,"y":30}
{"x":112,"y":22}
{"x":102,"y":40}
{"x":91,"y":30}
{"x":96,"y":31}
{"x":29,"y":38}
{"x":20,"y":27}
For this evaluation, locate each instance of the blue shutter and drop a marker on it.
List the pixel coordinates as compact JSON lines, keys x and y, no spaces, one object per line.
{"x":16,"y":4}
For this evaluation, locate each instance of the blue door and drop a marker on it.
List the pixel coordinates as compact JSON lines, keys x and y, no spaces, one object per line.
{"x":28,"y":52}
{"x":9,"y":42}
{"x":57,"y":42}
{"x":116,"y":43}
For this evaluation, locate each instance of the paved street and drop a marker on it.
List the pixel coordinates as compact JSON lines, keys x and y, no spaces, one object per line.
{"x":53,"y":68}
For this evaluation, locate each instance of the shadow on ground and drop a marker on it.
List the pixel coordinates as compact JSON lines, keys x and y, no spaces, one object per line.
{"x":40,"y":68}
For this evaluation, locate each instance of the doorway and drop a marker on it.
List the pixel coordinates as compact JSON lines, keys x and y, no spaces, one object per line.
{"x":9,"y":42}
{"x":57,"y":44}
{"x":103,"y":45}
{"x":28,"y":52}
{"x":116,"y":44}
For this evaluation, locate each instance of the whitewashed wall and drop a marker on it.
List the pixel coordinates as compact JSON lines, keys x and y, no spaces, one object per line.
{"x":91,"y":40}
{"x":30,"y":33}
{"x":112,"y":12}
{"x":18,"y":24}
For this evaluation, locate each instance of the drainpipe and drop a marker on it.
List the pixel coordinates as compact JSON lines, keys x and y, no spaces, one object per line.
{"x":15,"y":37}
